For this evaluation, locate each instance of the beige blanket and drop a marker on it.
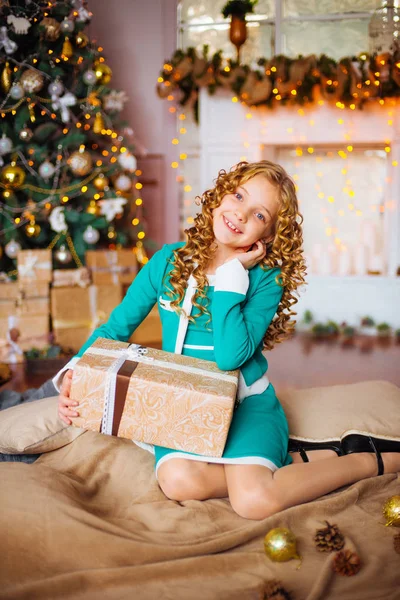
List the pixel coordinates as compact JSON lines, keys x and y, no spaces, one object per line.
{"x":89,"y":521}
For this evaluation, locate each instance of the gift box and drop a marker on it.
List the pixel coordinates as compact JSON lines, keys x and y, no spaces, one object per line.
{"x":19,"y":298}
{"x":76,"y":312}
{"x":149,"y":332}
{"x":111,"y":266}
{"x":155,"y":397}
{"x":34,"y":265}
{"x":71,"y":277}
{"x":32,"y":331}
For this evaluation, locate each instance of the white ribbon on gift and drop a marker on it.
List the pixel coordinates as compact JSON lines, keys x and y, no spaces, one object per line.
{"x":138,"y":353}
{"x":31,"y":263}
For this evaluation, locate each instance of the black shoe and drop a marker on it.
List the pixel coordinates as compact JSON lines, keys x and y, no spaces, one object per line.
{"x":356,"y":442}
{"x":300,"y":446}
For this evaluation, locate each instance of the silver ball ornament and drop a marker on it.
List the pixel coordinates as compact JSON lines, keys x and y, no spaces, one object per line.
{"x":17,"y":91}
{"x":5,"y":145}
{"x":46,"y":169}
{"x":63,"y":255}
{"x":56,"y":88}
{"x":123,"y":182}
{"x":67,"y":26}
{"x":12,"y":249}
{"x":25,"y":134}
{"x":91,"y":235}
{"x":89,"y":77}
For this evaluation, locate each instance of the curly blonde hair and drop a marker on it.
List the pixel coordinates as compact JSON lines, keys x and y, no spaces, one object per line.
{"x":284,"y":250}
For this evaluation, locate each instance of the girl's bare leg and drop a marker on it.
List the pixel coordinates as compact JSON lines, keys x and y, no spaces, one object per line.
{"x":185,"y":479}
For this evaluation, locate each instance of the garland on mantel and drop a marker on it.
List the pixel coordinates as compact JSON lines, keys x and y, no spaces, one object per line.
{"x":349,"y":83}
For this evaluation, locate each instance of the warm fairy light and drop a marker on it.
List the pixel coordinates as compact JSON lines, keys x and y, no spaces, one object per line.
{"x":350,"y":148}
{"x":340,"y":121}
{"x":135,"y":221}
{"x":328,"y":231}
{"x":183,"y":156}
{"x":138,"y":201}
{"x":50,"y":51}
{"x":343,"y":171}
{"x":359,"y":213}
{"x":114,"y":148}
{"x":96,"y":197}
{"x":275,"y":91}
{"x":99,"y":163}
{"x":109,"y":131}
{"x":187,"y":188}
{"x":160,"y":79}
{"x":105,"y":153}
{"x":17,"y":220}
{"x":273,"y":69}
{"x":321,"y":195}
{"x":234,"y":99}
{"x":278,"y":97}
{"x":122,"y":149}
{"x":294,"y":93}
{"x":100,"y":49}
{"x":141,"y":235}
{"x":84,"y":188}
{"x":190,"y":220}
{"x":289,"y":129}
{"x":350,"y":206}
{"x":341,"y":212}
{"x":299,"y":152}
{"x":175,"y":141}
{"x":113,"y":159}
{"x":310,"y":150}
{"x":13,"y":112}
{"x":138,"y":186}
{"x":382,"y":209}
{"x":243,"y":158}
{"x":331,"y":199}
{"x":387,"y":149}
{"x":182,"y":117}
{"x":47,"y":205}
{"x":390,"y":122}
{"x":249,"y":116}
{"x":78,"y":125}
{"x":138,"y":172}
{"x":227,"y":69}
{"x":64,"y":199}
{"x":182,"y":130}
{"x":86,"y":127}
{"x":342,"y":154}
{"x":394,"y":163}
{"x":7,"y":194}
{"x":172,"y":109}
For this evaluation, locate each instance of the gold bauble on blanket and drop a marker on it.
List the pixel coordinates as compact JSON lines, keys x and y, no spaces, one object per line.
{"x":391,"y":511}
{"x":280,"y":545}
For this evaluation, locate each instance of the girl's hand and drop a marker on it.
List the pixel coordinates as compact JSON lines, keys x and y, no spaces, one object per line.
{"x":251,"y":258}
{"x":65,"y":403}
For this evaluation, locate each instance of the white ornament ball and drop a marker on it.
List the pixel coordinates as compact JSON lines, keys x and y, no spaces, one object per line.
{"x":91,"y":235}
{"x":12,"y":249}
{"x":46,"y":169}
{"x":17,"y":91}
{"x":127,"y":161}
{"x":89,"y":77}
{"x":25,"y":134}
{"x":56,"y":88}
{"x":123,"y":182}
{"x":67,"y":25}
{"x":63,"y":255}
{"x":5,"y":145}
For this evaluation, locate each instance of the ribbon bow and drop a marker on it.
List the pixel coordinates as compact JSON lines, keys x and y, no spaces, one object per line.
{"x":9,"y":45}
{"x":62,"y":104}
{"x":31,"y":263}
{"x":135,"y":352}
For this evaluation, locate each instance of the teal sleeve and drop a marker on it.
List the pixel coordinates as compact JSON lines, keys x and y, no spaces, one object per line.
{"x":240,"y":328}
{"x":138,"y":302}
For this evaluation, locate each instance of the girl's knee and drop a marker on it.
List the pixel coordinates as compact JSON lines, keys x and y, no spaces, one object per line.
{"x":257,"y":502}
{"x":181,"y":479}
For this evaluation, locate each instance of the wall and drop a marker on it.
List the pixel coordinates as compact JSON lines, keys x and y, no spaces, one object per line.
{"x":137,"y":38}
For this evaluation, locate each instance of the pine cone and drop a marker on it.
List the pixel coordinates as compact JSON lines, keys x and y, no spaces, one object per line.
{"x":346,"y":563}
{"x":396,"y":543}
{"x":274,"y":590}
{"x":329,"y":539}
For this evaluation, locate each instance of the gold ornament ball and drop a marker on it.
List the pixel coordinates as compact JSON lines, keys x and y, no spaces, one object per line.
{"x":31,"y":81}
{"x":12,"y":176}
{"x":391,"y":511}
{"x":81,"y":40}
{"x":93,"y":209}
{"x":33,"y":229}
{"x":280,"y":545}
{"x":51,"y":29}
{"x":103,"y":72}
{"x":80,"y":162}
{"x":100,"y":182}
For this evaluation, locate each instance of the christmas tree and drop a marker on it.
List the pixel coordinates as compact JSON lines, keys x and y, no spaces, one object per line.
{"x":68,"y":174}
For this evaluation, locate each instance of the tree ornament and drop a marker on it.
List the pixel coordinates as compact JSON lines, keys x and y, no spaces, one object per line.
{"x":127,"y":161}
{"x":12,"y":176}
{"x":25,"y":134}
{"x":12,"y":249}
{"x":46,"y":170}
{"x":92,"y":98}
{"x":9,"y":45}
{"x":115,"y":101}
{"x":122,"y":182}
{"x":280,"y":545}
{"x":98,"y":125}
{"x":80,"y":162}
{"x":57,"y":219}
{"x":346,"y":563}
{"x":111,"y":207}
{"x":274,"y":590}
{"x":91,"y":235}
{"x":81,"y":40}
{"x":6,"y":75}
{"x":103,"y":72}
{"x":111,"y":233}
{"x":52,"y":28}
{"x":62,"y":103}
{"x":89,"y":77}
{"x":32,"y":230}
{"x":5,"y":145}
{"x":93,"y":209}
{"x":100,"y":182}
{"x":32,"y":81}
{"x":329,"y":539}
{"x":67,"y":49}
{"x":396,"y":543}
{"x":56,"y":88}
{"x":17,"y":91}
{"x":67,"y":25}
{"x":83,"y":14}
{"x":391,"y":511}
{"x":20,"y":24}
{"x":63,"y":255}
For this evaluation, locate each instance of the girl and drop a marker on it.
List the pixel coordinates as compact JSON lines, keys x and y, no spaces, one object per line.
{"x":224,"y":295}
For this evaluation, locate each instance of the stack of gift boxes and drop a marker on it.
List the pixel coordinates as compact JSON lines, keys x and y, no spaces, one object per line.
{"x":70,"y":303}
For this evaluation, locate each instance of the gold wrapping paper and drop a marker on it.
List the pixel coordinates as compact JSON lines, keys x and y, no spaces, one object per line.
{"x":70,"y":277}
{"x":76,"y":312}
{"x":20,"y":298}
{"x":34,"y":330}
{"x":187,"y":411}
{"x":111,"y":266}
{"x":149,"y":332}
{"x":34,"y":265}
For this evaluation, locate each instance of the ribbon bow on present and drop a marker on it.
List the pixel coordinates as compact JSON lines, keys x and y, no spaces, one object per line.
{"x":31,"y":263}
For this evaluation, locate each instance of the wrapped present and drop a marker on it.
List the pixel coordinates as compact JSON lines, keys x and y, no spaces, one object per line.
{"x":34,"y":265}
{"x":22,"y":298}
{"x":149,"y":332}
{"x":111,"y":266}
{"x":71,"y":277}
{"x":77,"y":311}
{"x":19,"y":333}
{"x":156,"y":397}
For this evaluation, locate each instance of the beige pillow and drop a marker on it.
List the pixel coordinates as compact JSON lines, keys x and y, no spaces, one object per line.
{"x":34,"y":427}
{"x":328,"y":413}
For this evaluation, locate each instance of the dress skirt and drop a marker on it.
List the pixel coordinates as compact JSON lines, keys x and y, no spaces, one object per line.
{"x":258,"y":435}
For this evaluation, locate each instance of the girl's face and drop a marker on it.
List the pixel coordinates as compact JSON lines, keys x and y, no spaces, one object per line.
{"x":247,"y":215}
